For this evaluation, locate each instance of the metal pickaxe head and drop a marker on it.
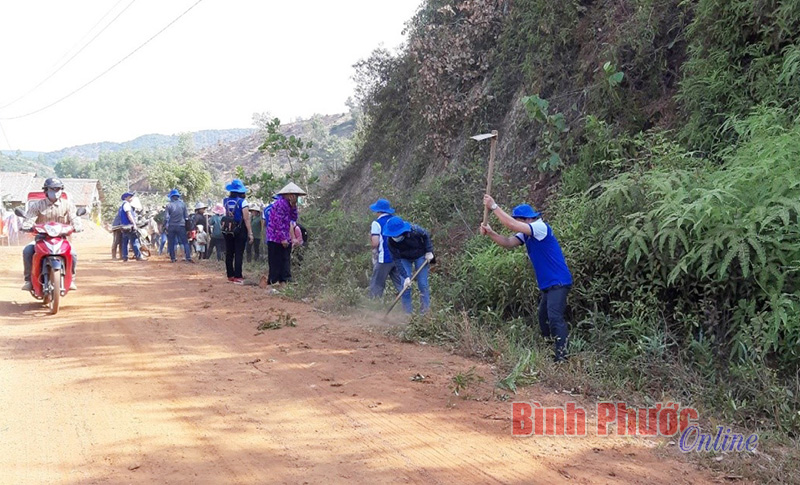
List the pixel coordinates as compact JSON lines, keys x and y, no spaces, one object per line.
{"x":484,"y":136}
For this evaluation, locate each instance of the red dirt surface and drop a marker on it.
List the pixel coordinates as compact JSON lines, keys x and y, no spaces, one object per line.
{"x":155,"y":373}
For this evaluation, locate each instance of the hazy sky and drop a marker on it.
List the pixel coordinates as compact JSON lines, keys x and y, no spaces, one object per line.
{"x":212,"y":69}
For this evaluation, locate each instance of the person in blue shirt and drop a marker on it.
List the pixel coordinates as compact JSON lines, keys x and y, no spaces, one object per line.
{"x":382,"y":264}
{"x":236,"y":209}
{"x":552,"y":274}
{"x":127,"y":219}
{"x":411,"y":247}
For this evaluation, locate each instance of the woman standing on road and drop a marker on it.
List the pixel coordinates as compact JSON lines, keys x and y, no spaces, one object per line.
{"x":279,"y":248}
{"x":236,"y":229}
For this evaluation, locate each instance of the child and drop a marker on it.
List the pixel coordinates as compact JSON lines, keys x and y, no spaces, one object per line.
{"x":201,"y":241}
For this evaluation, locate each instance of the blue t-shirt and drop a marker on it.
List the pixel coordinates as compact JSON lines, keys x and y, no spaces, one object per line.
{"x":546,"y":256}
{"x":234,"y":207}
{"x":384,"y":256}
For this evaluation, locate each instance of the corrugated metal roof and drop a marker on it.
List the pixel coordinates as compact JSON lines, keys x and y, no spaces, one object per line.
{"x":82,"y":192}
{"x":14,"y":186}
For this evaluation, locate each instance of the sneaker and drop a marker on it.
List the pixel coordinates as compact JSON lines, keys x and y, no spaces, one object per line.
{"x":174,"y":260}
{"x":231,"y":279}
{"x":27,"y":286}
{"x":189,"y":260}
{"x":73,"y":286}
{"x":238,"y":281}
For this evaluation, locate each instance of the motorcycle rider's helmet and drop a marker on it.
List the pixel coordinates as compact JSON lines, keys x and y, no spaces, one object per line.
{"x":52,"y":188}
{"x":53,"y":183}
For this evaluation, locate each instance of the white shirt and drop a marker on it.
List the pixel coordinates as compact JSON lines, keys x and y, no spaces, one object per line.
{"x":538,"y":231}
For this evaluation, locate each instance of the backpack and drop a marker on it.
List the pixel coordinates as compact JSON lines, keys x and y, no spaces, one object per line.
{"x":231,"y":223}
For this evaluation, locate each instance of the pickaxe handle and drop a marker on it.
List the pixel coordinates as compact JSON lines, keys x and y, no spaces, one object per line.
{"x":490,"y":175}
{"x":413,"y":277}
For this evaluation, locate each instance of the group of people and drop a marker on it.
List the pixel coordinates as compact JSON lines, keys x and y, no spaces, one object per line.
{"x":234,"y":227}
{"x":280,"y":225}
{"x":402,"y":252}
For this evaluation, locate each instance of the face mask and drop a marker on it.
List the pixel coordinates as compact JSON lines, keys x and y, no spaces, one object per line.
{"x":53,"y":195}
{"x":398,"y":238}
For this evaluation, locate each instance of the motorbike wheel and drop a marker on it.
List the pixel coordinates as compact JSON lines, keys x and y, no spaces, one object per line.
{"x":55,"y":283}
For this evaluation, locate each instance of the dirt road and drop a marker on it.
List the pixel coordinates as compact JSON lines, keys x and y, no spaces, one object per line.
{"x":153,"y":373}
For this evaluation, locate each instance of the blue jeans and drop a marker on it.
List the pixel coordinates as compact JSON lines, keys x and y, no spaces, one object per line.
{"x":551,"y":318}
{"x":422,"y":283}
{"x":178,"y":234}
{"x":162,"y":241}
{"x":133,"y":238}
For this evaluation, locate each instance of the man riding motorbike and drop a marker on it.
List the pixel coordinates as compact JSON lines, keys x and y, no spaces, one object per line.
{"x":50,"y":209}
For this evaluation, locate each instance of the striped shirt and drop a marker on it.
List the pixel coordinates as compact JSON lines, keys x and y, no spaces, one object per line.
{"x":61,"y":211}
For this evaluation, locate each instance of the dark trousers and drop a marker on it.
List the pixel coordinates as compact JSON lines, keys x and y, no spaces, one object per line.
{"x":177,"y":235}
{"x":116,"y":246}
{"x":27,"y":261}
{"x":234,"y":250}
{"x":279,"y":262}
{"x":552,"y":306}
{"x":217,"y":243}
{"x":255,"y":246}
{"x":133,"y":238}
{"x":380,"y":272}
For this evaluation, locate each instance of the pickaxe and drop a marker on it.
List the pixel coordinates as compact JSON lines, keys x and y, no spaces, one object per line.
{"x":413,"y":277}
{"x":492,"y":149}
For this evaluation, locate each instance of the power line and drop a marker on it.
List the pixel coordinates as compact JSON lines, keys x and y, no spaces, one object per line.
{"x":22,"y":96}
{"x":5,"y":136}
{"x":107,"y":70}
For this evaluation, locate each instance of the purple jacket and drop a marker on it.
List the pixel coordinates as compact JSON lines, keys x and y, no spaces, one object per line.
{"x":280,"y":216}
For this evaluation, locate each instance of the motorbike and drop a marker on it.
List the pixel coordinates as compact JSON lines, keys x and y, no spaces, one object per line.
{"x":143,"y":234}
{"x":51,"y":271}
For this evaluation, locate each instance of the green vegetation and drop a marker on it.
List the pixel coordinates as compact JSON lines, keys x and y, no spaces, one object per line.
{"x":660,"y":137}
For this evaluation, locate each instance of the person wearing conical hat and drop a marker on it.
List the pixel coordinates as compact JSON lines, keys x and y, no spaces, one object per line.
{"x":255,"y":223}
{"x":216,"y":241}
{"x":552,"y":274}
{"x":279,"y":248}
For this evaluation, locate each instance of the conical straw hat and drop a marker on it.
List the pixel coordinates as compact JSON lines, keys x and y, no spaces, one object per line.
{"x":291,"y":188}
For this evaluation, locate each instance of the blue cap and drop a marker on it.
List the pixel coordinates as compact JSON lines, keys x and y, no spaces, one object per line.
{"x":128,"y":194}
{"x":173,"y":193}
{"x":524,"y":210}
{"x":382,"y":205}
{"x":395,"y":226}
{"x":236,"y":185}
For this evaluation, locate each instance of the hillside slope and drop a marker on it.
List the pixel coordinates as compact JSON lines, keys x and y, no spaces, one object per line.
{"x":223,"y":158}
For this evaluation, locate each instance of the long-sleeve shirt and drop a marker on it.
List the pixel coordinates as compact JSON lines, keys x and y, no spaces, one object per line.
{"x":416,"y":243}
{"x":61,"y":211}
{"x":176,"y":214}
{"x":280,"y":216}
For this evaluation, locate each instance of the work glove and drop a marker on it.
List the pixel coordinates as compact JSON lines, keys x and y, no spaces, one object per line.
{"x":428,"y":256}
{"x":406,"y":283}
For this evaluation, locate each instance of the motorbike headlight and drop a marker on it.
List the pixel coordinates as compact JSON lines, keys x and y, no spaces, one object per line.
{"x":53,"y":230}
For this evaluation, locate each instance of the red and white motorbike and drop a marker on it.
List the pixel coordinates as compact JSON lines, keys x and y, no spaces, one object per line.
{"x":51,"y":272}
